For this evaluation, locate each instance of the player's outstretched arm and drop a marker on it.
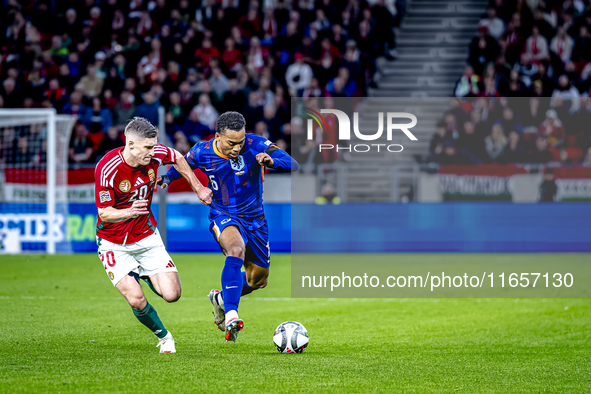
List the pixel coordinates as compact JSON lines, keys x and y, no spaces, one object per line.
{"x":113,"y":215}
{"x":182,"y":167}
{"x":277,"y":159}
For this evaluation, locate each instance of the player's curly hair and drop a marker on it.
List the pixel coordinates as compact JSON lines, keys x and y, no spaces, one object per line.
{"x":230,"y":120}
{"x":142,"y":128}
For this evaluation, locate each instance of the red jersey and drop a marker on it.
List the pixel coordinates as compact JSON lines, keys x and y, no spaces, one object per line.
{"x":118,"y":185}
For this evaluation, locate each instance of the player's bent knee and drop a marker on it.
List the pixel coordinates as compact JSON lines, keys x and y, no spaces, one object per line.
{"x":171,"y":295}
{"x":236,"y":251}
{"x":258,"y":284}
{"x":137,"y":302}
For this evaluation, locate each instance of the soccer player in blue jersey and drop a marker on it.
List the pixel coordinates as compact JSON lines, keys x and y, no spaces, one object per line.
{"x":234,"y":163}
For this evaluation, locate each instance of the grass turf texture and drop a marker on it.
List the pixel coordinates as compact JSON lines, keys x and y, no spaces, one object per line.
{"x":66,"y":329}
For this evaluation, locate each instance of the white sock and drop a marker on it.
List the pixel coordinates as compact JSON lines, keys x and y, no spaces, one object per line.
{"x":231,"y":315}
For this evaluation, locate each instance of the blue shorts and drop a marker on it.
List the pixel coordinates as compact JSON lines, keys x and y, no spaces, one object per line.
{"x":256,"y":241}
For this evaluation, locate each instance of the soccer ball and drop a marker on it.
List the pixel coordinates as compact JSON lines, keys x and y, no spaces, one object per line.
{"x":291,"y":337}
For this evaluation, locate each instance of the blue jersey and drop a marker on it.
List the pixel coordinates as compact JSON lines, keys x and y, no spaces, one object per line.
{"x":237,"y":184}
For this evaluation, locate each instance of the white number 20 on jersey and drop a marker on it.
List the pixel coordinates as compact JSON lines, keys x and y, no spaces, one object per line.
{"x":139,"y":194}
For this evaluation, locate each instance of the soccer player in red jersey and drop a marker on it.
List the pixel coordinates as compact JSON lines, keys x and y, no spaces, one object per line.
{"x":129,"y":244}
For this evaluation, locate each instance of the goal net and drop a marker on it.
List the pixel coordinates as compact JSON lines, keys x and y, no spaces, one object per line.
{"x":34,"y":180}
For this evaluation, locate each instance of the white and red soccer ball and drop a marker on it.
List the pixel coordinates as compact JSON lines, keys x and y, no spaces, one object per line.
{"x":291,"y":337}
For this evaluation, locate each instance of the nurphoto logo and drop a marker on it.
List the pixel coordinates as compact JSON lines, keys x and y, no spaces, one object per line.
{"x":344,"y":130}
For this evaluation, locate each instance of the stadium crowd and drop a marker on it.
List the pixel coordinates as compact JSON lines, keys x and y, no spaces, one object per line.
{"x":106,"y":61}
{"x":539,"y":49}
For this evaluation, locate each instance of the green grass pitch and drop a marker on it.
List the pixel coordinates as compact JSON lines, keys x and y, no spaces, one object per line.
{"x":64,"y":328}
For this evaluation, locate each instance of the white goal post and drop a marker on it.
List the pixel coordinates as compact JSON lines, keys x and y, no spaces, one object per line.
{"x":34,"y":172}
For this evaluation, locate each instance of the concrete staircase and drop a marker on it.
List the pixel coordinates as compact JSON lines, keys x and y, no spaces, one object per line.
{"x":433,"y":47}
{"x":432,"y":52}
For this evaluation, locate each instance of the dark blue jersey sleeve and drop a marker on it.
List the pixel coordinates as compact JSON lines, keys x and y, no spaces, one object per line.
{"x":259,"y":144}
{"x":192,"y":158}
{"x":281,"y":160}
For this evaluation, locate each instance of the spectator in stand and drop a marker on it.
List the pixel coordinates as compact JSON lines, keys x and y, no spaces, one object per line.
{"x":111,"y":141}
{"x":55,"y":94}
{"x":562,"y":45}
{"x":494,"y":24}
{"x":567,"y":92}
{"x":194,"y":130}
{"x":81,"y":147}
{"x":450,"y":155}
{"x":536,"y":46}
{"x":542,"y":76}
{"x":37,"y":85}
{"x":23,"y":154}
{"x":174,"y":107}
{"x":514,"y":42}
{"x":470,"y":143}
{"x":552,"y":129}
{"x":527,"y":68}
{"x":253,"y":112}
{"x":272,"y":121}
{"x":12,"y":97}
{"x":260,"y":129}
{"x":495,"y":142}
{"x":540,"y":21}
{"x":438,"y":140}
{"x":515,"y":151}
{"x":206,"y":52}
{"x":256,"y":56}
{"x":515,"y":86}
{"x":58,"y":49}
{"x":114,"y":81}
{"x":97,"y":118}
{"x":91,"y":84}
{"x":349,"y":86}
{"x":266,"y":95}
{"x":298,"y":75}
{"x":74,"y":64}
{"x":468,"y":84}
{"x":206,"y":113}
{"x":483,"y":49}
{"x":75,"y":106}
{"x":65,"y":78}
{"x":149,"y":109}
{"x":509,"y":121}
{"x":232,"y":57}
{"x":124,"y":110}
{"x":99,"y":64}
{"x":534,"y":116}
{"x":312,"y":90}
{"x":540,"y":153}
{"x":234,"y":99}
{"x":109,"y":100}
{"x":181,"y":143}
{"x":219,"y":83}
{"x":582,"y":48}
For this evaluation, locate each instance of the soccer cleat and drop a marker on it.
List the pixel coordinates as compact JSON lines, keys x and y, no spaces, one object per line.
{"x":233,"y":328}
{"x":166,"y":344}
{"x":218,"y":309}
